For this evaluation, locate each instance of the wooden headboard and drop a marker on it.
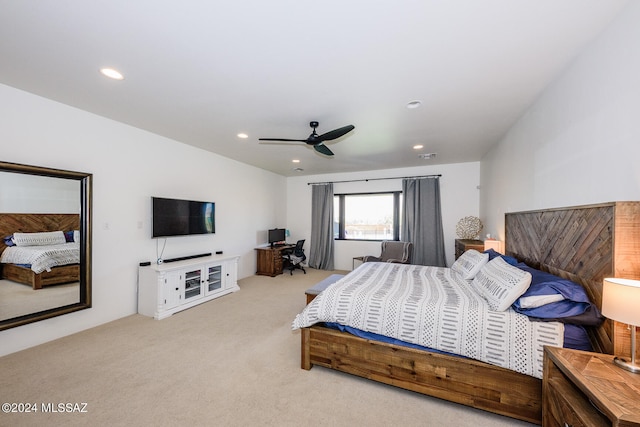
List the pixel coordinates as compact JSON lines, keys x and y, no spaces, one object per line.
{"x":584,"y":244}
{"x":33,"y":223}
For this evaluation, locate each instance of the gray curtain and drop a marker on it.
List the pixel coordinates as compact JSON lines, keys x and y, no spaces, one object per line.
{"x":321,"y":247}
{"x":422,"y":220}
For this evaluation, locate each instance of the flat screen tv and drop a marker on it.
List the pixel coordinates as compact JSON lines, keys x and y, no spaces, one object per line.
{"x":174,"y":217}
{"x":277,"y":235}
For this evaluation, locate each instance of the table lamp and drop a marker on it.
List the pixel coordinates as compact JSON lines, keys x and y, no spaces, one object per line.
{"x":496,"y":245}
{"x":621,"y":302}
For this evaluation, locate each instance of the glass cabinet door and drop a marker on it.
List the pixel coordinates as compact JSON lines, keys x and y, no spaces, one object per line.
{"x":192,"y":284}
{"x":214,"y":278}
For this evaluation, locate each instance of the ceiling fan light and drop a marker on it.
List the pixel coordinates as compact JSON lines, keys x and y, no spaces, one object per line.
{"x":427,"y":156}
{"x":112,"y":73}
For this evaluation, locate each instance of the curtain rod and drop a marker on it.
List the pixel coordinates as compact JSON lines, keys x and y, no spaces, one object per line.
{"x":374,"y":179}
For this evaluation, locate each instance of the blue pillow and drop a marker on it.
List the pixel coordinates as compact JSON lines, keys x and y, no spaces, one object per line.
{"x":575,"y":308}
{"x":576,"y":337}
{"x":7,"y":240}
{"x":508,"y":259}
{"x":68,"y":236}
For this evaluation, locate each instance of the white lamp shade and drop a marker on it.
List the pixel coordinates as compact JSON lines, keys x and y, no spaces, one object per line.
{"x":621,"y":300}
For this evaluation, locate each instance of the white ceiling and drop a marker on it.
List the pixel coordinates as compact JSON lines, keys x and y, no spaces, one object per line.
{"x":202,"y":71}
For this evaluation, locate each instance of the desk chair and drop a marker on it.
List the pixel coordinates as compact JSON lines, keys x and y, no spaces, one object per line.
{"x":392,"y":251}
{"x":295,"y":257}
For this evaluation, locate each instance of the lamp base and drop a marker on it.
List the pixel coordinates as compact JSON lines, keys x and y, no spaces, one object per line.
{"x":629,"y":366}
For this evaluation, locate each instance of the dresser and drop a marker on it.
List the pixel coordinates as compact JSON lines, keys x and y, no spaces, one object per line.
{"x":463,"y":245}
{"x":581,"y":388}
{"x":269,"y":260}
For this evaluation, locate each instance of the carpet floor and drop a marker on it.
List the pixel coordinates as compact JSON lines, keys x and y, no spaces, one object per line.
{"x":17,"y":299}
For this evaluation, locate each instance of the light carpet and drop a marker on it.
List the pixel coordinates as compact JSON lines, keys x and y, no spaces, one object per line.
{"x":17,"y":299}
{"x":233,"y":361}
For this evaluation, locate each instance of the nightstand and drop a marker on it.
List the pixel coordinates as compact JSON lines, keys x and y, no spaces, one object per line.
{"x":463,"y":245}
{"x":580,"y":388}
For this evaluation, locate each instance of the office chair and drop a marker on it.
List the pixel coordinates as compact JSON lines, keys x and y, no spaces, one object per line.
{"x":295,"y":257}
{"x":392,"y":251}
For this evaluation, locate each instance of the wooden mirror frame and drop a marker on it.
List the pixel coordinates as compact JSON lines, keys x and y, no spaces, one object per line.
{"x":84,"y":302}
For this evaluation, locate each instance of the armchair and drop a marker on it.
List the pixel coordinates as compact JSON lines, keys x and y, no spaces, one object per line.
{"x":392,"y":251}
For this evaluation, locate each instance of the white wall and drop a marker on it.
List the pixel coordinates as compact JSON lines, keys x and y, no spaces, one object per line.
{"x":580,"y":142}
{"x":22,"y":193}
{"x":458,"y":193}
{"x":129,"y":166}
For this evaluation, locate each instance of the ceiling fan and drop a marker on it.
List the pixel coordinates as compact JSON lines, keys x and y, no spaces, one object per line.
{"x":317,"y":141}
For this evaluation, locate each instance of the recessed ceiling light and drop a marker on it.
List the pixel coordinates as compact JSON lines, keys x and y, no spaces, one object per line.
{"x":414,"y":104}
{"x":112,"y":74}
{"x":242,"y":136}
{"x":295,"y":161}
{"x":418,"y":146}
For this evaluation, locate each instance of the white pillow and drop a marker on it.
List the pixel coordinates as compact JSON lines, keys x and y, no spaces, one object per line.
{"x":470,"y":263}
{"x":501,"y":283}
{"x":76,"y":235}
{"x":39,"y":239}
{"x":535,"y":301}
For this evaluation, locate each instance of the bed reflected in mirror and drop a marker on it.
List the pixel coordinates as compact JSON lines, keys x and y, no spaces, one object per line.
{"x":45,"y":251}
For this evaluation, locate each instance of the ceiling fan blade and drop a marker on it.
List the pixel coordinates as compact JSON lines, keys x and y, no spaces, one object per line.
{"x":336,"y":133}
{"x":281,"y":139}
{"x":323,"y":149}
{"x":278,"y":142}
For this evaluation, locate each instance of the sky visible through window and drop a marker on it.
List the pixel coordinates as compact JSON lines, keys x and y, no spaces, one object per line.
{"x":369,"y":216}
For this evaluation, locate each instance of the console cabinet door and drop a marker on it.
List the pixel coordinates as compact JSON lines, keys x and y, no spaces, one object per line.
{"x":213,"y":279}
{"x":193,"y":284}
{"x":231,"y":273}
{"x":172,"y":290}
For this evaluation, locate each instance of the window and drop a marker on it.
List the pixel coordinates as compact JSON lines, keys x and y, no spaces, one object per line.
{"x":369,"y":216}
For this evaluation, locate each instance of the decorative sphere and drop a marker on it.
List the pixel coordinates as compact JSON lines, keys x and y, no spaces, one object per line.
{"x":469,"y":227}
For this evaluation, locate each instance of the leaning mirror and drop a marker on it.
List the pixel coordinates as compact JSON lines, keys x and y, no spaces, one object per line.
{"x":45,"y":246}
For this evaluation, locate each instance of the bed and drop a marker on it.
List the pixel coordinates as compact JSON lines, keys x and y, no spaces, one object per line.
{"x":11,"y":223}
{"x":582,"y":244}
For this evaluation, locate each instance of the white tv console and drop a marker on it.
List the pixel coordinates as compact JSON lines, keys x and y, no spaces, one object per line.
{"x":165,"y":289}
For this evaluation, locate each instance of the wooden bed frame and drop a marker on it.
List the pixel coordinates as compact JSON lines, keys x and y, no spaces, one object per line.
{"x":584,"y":244}
{"x":32,"y":223}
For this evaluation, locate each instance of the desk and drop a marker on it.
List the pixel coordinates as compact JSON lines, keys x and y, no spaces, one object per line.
{"x":270,"y":260}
